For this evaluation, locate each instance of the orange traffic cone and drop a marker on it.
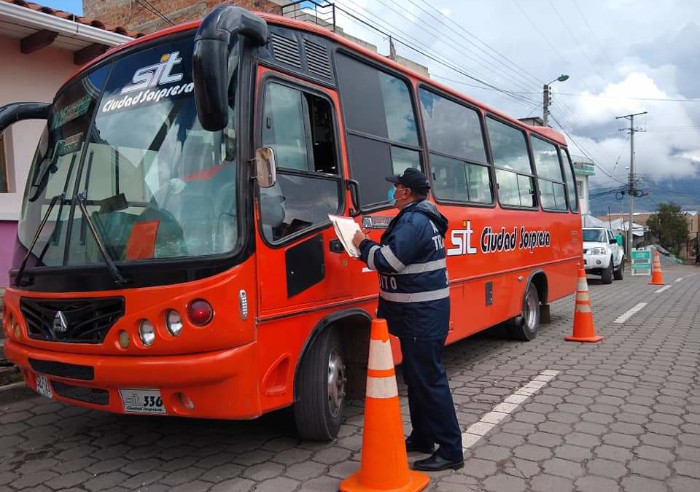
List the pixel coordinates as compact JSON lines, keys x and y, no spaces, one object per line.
{"x":657,"y":278}
{"x":584,"y":329}
{"x":384,"y":463}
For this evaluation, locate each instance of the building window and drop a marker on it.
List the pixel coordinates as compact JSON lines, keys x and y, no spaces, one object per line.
{"x":4,"y":178}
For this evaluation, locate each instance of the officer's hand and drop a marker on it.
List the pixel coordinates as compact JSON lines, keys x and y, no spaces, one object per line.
{"x":358,"y":238}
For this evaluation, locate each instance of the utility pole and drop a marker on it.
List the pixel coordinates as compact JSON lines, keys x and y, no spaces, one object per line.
{"x":632,"y":130}
{"x":547,"y":97}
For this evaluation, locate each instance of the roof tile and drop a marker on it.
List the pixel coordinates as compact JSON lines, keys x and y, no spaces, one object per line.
{"x":75,"y":18}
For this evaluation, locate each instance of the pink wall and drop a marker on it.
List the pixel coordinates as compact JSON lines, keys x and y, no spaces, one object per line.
{"x":33,"y":77}
{"x":8,"y":232}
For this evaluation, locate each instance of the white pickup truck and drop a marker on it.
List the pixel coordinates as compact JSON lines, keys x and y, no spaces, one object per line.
{"x":602,"y":255}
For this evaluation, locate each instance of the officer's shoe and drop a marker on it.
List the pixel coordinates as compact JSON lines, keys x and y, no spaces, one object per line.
{"x":419,"y":447}
{"x":437,"y":463}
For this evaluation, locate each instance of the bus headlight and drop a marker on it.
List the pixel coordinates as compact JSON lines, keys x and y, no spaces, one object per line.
{"x":173,"y":321}
{"x":147,"y":333}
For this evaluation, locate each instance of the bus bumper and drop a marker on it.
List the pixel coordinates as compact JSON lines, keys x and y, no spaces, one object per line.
{"x":221,"y":384}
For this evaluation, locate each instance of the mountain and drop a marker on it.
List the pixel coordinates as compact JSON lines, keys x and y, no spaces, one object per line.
{"x":685,"y":193}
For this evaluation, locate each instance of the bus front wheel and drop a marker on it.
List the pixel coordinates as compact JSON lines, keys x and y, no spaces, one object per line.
{"x":525,"y":326}
{"x":318,"y":410}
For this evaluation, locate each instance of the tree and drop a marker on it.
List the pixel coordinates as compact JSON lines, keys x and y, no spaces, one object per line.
{"x":670,"y":226}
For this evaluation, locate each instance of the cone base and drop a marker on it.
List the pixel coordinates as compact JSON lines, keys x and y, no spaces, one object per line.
{"x":416,"y":481}
{"x":657,"y":283}
{"x":592,"y":339}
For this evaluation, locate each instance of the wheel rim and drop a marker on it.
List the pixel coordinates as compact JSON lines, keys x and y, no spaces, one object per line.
{"x":530,"y":312}
{"x":336,"y":382}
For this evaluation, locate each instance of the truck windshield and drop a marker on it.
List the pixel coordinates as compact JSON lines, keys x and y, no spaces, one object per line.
{"x":126,"y":139}
{"x":594,"y":236}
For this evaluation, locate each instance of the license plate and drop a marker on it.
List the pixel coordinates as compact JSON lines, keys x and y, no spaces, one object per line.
{"x":43,"y":387}
{"x":142,"y":401}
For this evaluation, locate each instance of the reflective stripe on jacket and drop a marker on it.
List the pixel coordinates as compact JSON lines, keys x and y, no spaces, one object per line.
{"x":411,"y":262}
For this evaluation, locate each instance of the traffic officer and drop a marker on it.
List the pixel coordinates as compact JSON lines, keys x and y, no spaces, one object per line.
{"x":414,"y":299}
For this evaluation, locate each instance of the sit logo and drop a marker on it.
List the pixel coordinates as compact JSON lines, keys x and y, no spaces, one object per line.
{"x":462,"y":240}
{"x":157,"y":74}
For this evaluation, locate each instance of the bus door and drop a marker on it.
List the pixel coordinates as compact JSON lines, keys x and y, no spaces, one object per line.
{"x":300,"y":264}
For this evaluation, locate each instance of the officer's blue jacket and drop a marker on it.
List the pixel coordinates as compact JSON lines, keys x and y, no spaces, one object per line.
{"x":413,"y":287}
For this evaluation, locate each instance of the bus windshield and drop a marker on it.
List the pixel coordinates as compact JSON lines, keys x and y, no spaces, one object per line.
{"x":125,"y":141}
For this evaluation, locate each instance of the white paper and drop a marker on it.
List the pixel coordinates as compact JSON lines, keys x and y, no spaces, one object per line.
{"x":345,"y":228}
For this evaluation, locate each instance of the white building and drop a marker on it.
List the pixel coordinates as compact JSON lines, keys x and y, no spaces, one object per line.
{"x":583,"y":168}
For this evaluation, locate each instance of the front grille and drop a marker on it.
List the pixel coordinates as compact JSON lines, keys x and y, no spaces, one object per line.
{"x":71,"y":320}
{"x":585,"y":251}
{"x":95,"y":396}
{"x":63,"y":370}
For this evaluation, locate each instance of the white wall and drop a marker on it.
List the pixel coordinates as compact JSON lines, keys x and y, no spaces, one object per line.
{"x":33,"y":77}
{"x":583,"y":193}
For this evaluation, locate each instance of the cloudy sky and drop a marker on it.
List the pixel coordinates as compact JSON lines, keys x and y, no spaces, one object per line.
{"x":622,"y":56}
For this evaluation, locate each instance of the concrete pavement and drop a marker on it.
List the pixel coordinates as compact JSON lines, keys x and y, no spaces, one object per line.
{"x":622,"y":414}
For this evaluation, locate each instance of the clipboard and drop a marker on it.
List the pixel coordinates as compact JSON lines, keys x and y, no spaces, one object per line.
{"x":345,"y":228}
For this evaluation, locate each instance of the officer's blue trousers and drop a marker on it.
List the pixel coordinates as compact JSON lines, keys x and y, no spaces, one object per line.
{"x":429,"y":399}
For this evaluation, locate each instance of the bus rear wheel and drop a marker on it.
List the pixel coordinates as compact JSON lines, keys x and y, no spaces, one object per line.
{"x":321,"y":382}
{"x":525,"y":326}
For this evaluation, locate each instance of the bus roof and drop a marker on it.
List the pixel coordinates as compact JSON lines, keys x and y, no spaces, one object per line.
{"x":547,"y":132}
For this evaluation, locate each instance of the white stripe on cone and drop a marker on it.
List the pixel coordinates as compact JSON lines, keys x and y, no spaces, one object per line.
{"x":382,"y":387}
{"x":380,"y":355}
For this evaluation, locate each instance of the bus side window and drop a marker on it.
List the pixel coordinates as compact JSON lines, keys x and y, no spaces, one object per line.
{"x":549,"y":175}
{"x":380,"y":120}
{"x":299,"y":127}
{"x":458,"y":163}
{"x":516,"y":183}
{"x":571,"y":187}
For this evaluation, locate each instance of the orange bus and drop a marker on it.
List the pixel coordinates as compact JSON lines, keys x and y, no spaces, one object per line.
{"x":174,"y":254}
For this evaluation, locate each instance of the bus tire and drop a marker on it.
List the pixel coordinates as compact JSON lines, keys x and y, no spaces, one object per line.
{"x":318,"y":410}
{"x":607,"y":275}
{"x":525,"y":326}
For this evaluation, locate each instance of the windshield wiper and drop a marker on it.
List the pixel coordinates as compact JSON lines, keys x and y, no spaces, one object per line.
{"x":22,"y":266}
{"x":111,"y":266}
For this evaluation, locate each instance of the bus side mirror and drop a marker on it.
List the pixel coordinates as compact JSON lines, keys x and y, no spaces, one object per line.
{"x":265,"y":167}
{"x":14,"y":112}
{"x":212,"y":63}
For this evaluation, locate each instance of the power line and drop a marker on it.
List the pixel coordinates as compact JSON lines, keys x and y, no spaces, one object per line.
{"x":602,"y":48}
{"x":353,"y":14}
{"x":582,"y":94}
{"x":152,"y":9}
{"x":443,"y":32}
{"x":541,"y":33}
{"x":510,"y":66}
{"x":576,"y":41}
